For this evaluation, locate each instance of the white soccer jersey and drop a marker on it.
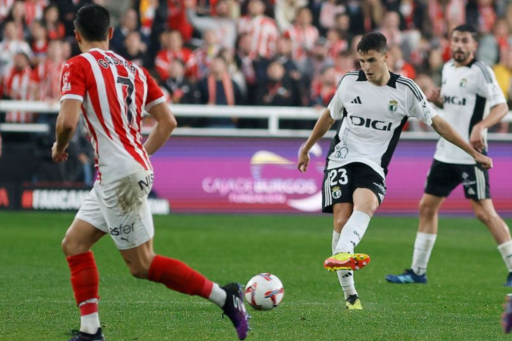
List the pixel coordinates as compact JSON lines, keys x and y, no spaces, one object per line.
{"x":468,"y":91}
{"x":372,"y":119}
{"x":114,"y":93}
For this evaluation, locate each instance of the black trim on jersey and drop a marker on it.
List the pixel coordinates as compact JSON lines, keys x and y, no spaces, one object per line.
{"x":485,"y":71}
{"x":336,"y":139}
{"x":350,"y":73}
{"x":473,"y":61}
{"x":478,"y":112}
{"x":393,"y":77}
{"x":386,"y":157}
{"x":412,"y":86}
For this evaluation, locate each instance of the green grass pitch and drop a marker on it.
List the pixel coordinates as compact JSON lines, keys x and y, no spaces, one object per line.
{"x":461,"y":302}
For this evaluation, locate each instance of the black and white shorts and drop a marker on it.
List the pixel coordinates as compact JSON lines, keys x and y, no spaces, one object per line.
{"x":340,"y":184}
{"x":444,"y":177}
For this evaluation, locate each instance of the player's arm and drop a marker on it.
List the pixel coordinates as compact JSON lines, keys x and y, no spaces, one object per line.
{"x":322,"y":126}
{"x":496,"y":114}
{"x":67,"y":120}
{"x":165,"y":124}
{"x":444,"y":129}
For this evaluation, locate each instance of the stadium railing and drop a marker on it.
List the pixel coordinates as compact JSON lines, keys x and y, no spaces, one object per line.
{"x":273,"y":115}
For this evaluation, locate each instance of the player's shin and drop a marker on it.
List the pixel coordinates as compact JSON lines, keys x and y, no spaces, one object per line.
{"x":85,"y":281}
{"x":352,"y":232}
{"x":178,"y":276}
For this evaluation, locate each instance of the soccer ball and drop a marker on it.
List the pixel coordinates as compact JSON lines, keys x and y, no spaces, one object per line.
{"x":264,"y":292}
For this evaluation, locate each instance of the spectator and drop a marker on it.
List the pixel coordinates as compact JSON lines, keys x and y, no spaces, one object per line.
{"x":329,"y":12}
{"x":391,"y":28}
{"x":34,"y":10}
{"x":39,"y":41}
{"x":219,"y":89}
{"x":324,"y":87}
{"x":435,"y":65}
{"x":55,"y":29}
{"x":67,"y":12}
{"x":279,"y":89}
{"x":492,"y":45}
{"x":302,"y":34}
{"x":342,"y":25}
{"x":17,"y":16}
{"x":220,"y":23}
{"x":16,"y":86}
{"x":133,"y":49}
{"x":442,"y":12}
{"x":46,"y":76}
{"x":5,"y":6}
{"x":253,"y":69}
{"x":286,"y":11}
{"x":129,"y":23}
{"x":173,"y":49}
{"x":177,"y":18}
{"x":335,"y":43}
{"x":261,"y":29}
{"x":344,"y":62}
{"x":204,"y":55}
{"x":181,"y":90}
{"x":10,"y":45}
{"x":397,"y":63}
{"x":234,"y":70}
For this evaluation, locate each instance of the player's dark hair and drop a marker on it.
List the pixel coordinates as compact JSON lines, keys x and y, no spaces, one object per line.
{"x":467,"y":28}
{"x":373,"y":41}
{"x":92,"y":22}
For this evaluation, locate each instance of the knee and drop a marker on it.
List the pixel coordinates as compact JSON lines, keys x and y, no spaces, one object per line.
{"x":339,"y":223}
{"x":368,"y":207}
{"x":427,"y":209}
{"x":72,"y":247}
{"x":484,"y":216}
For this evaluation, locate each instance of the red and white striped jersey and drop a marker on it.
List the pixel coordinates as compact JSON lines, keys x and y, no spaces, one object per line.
{"x":16,"y":86}
{"x":34,"y":10}
{"x":263,"y":32}
{"x":5,"y":8}
{"x":46,"y":79}
{"x":164,"y":58}
{"x":303,"y":39}
{"x":114,"y":93}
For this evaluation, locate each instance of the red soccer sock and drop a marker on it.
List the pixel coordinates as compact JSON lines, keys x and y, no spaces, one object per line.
{"x":179,"y":276}
{"x":85,"y":281}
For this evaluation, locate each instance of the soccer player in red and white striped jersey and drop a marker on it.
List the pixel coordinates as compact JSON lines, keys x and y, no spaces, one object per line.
{"x":262,"y":30}
{"x":112,"y":94}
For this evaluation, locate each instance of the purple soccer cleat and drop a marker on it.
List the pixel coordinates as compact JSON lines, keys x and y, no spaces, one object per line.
{"x":506,"y":317}
{"x":234,"y":308}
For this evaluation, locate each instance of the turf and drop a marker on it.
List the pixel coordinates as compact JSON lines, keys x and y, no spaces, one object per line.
{"x":461,"y":302}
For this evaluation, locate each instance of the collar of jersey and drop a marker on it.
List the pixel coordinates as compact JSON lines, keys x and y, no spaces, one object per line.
{"x":391,"y":82}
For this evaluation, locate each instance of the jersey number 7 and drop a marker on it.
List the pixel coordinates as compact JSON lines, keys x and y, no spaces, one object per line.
{"x":127,"y":82}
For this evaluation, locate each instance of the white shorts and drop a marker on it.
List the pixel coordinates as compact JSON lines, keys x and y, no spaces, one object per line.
{"x":121,"y":209}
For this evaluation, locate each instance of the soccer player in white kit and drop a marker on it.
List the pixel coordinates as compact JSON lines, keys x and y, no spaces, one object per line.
{"x":469,"y":89}
{"x":112,"y":94}
{"x":373,"y":105}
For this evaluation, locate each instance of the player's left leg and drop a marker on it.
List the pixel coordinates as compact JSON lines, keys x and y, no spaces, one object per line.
{"x":177,"y":276}
{"x":485,"y":212}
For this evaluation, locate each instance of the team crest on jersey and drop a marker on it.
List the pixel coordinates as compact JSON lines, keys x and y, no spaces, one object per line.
{"x":66,"y":86}
{"x":341,"y":152}
{"x":463,"y":82}
{"x":336,"y":192}
{"x":393,"y":106}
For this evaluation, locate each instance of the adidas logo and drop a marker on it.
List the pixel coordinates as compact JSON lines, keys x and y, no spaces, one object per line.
{"x":356,"y":100}
{"x":471,"y":191}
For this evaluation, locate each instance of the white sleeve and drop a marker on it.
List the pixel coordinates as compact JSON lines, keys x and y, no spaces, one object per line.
{"x":336,"y":105}
{"x":418,"y":105}
{"x":488,"y":86}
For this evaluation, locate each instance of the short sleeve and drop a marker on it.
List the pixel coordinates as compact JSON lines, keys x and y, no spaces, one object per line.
{"x":489,"y":87}
{"x":155,"y":95}
{"x":417,"y":103}
{"x":336,"y":105}
{"x":73,"y":80}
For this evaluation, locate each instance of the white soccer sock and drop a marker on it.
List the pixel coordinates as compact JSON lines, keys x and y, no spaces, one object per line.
{"x":346,"y":277}
{"x":218,"y":295}
{"x":506,"y":253}
{"x":91,"y":322}
{"x":352,"y":232}
{"x":422,"y":249}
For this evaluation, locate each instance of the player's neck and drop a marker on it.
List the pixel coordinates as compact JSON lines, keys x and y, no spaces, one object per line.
{"x":86,"y":46}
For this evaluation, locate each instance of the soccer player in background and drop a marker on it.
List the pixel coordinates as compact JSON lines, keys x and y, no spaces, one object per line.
{"x":373,"y":105}
{"x":469,"y":88}
{"x":112,"y":94}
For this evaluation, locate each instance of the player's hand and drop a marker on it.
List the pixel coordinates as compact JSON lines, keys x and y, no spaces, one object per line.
{"x":57,"y":155}
{"x":303,"y":162}
{"x":485,"y":161}
{"x":433,"y":95}
{"x":476,"y":139}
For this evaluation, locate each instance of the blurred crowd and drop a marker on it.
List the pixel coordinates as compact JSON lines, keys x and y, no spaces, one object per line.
{"x":248,"y":52}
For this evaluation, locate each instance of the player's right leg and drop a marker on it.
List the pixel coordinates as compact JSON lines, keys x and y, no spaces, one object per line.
{"x":79,"y":239}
